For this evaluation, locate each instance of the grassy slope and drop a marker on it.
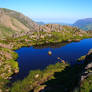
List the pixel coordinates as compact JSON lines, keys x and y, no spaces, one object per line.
{"x":25,"y":41}
{"x":34,"y":83}
{"x":21,"y":18}
{"x":18,"y":42}
{"x":8,"y":66}
{"x":14,"y":22}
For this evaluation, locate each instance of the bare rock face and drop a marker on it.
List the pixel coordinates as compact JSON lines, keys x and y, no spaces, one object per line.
{"x":20,"y":17}
{"x":88,"y":66}
{"x":15,"y":22}
{"x":51,"y":27}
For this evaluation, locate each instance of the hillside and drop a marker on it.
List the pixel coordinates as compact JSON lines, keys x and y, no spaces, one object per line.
{"x":21,"y":31}
{"x":85,"y":24}
{"x":14,"y":22}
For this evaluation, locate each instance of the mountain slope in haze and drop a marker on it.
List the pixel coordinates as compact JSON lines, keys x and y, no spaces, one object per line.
{"x":40,"y":23}
{"x":14,"y":22}
{"x":85,"y":24}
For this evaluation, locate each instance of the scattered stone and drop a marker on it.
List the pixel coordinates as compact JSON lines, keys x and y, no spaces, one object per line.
{"x":61,"y":60}
{"x":69,"y":40}
{"x":0,"y":90}
{"x":49,"y":53}
{"x":37,"y":75}
{"x":16,"y":71}
{"x":88,"y":66}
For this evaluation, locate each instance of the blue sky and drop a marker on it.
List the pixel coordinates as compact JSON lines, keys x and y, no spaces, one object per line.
{"x":64,"y":11}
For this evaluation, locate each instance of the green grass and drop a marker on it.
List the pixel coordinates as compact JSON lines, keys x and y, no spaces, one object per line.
{"x":86,"y":85}
{"x":81,"y":58}
{"x":31,"y":82}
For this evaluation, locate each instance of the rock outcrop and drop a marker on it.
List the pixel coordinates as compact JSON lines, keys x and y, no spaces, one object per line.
{"x":88,"y":68}
{"x":12,"y":22}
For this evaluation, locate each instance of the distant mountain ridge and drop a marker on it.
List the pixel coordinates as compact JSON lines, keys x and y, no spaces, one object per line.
{"x":40,"y":23}
{"x":60,"y":23}
{"x":85,"y":24}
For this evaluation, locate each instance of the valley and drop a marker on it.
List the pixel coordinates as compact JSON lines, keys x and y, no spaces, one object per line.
{"x":18,"y":32}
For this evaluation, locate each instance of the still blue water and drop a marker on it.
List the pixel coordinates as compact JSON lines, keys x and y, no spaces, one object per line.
{"x":31,"y":58}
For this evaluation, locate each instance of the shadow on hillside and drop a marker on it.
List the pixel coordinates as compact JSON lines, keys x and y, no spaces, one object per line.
{"x":64,"y":81}
{"x":67,"y":80}
{"x":51,"y":45}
